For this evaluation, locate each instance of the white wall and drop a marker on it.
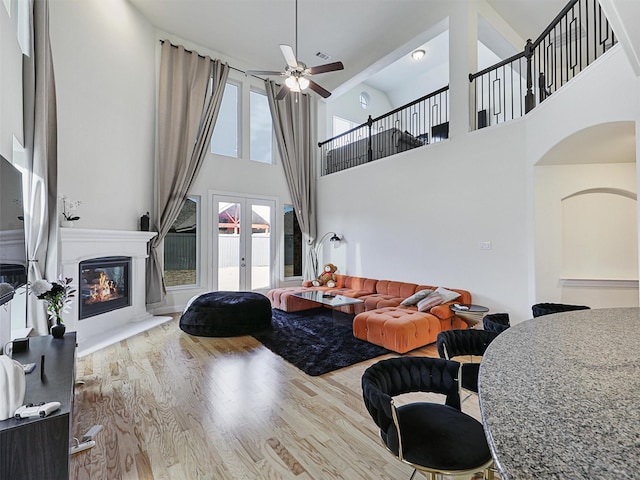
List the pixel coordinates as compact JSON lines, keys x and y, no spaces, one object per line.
{"x":104,"y":61}
{"x":420,"y":216}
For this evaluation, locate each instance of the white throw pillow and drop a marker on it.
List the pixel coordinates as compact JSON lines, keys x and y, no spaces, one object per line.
{"x":447,"y":295}
{"x":416,"y":297}
{"x":428,"y":303}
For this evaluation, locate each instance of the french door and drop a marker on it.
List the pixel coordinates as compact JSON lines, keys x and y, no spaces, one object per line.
{"x":243,"y":249}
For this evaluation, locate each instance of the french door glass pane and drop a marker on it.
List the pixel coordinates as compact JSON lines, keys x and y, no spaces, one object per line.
{"x":260,"y":246}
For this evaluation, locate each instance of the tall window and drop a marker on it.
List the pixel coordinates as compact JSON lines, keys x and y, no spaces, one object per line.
{"x":261,"y":128}
{"x":293,"y":248}
{"x":225,"y":138}
{"x":181,"y":247}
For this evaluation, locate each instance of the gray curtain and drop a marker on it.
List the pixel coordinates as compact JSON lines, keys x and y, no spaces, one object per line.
{"x":294,"y":129}
{"x":41,"y":144}
{"x":186,"y":117}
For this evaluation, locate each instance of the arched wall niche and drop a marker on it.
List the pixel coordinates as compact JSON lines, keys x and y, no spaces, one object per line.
{"x":586,"y":219}
{"x":600,"y":235}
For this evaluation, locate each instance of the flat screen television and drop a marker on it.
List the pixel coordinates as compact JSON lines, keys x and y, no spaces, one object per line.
{"x":13,"y":249}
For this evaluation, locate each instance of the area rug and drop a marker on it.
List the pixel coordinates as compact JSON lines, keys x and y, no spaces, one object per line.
{"x":316,"y":341}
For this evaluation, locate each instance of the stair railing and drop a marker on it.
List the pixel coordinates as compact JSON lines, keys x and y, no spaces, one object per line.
{"x":421,"y":122}
{"x":575,"y":38}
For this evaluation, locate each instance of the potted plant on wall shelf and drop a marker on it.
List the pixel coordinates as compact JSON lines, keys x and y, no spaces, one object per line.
{"x":68,"y":206}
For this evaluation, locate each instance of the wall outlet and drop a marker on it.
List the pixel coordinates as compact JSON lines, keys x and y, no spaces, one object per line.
{"x":485,"y":246}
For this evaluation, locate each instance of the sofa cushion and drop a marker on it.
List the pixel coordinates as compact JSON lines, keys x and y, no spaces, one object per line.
{"x":395,"y":289}
{"x":416,"y":297}
{"x":397,"y":329}
{"x":378,"y":300}
{"x":359,"y":283}
{"x":447,"y":295}
{"x":429,"y":302}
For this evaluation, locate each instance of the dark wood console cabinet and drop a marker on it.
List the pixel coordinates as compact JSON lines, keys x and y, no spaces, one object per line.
{"x":38,"y":448}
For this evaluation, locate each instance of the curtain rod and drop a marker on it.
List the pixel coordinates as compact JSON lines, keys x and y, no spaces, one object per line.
{"x":202,"y":56}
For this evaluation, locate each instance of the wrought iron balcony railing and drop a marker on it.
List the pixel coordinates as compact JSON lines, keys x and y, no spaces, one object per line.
{"x":415,"y":124}
{"x":578,"y":35}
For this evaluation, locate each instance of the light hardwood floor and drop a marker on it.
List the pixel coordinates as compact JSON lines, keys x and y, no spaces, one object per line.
{"x":175,"y":406}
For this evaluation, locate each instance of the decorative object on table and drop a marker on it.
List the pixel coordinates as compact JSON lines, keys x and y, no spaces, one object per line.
{"x":68,"y":206}
{"x":144,"y":222}
{"x":58,"y":296}
{"x":314,"y":342}
{"x":327,"y":277}
{"x":12,"y":386}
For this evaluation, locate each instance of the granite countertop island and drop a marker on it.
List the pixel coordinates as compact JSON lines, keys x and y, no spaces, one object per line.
{"x":560,"y":396}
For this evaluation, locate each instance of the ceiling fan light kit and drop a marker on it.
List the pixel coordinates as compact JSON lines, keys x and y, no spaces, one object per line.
{"x":297,"y":71}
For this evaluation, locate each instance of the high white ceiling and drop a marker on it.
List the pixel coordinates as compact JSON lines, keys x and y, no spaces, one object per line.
{"x":366,"y":35}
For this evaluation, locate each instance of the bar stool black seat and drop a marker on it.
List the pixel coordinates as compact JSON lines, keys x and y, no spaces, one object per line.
{"x":496,"y":322}
{"x":456,"y":343}
{"x":540,"y":309}
{"x":431,"y":437}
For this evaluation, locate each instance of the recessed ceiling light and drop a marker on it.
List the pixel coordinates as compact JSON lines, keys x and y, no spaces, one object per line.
{"x":418,"y":54}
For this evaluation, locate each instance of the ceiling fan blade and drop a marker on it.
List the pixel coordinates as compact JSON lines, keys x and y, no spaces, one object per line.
{"x":282,"y":92}
{"x":289,"y":55}
{"x":263,"y":72}
{"x":318,"y":89}
{"x":328,"y":67}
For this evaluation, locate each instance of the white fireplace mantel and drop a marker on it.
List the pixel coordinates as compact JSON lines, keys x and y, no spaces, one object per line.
{"x":77,"y":245}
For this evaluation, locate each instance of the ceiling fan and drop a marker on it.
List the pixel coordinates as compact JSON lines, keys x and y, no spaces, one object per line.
{"x":297,"y":72}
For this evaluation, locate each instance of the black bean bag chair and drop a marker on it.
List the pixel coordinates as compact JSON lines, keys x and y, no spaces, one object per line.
{"x":226,"y":314}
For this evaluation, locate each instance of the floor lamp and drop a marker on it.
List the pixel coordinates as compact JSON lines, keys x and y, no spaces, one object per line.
{"x":335,"y":240}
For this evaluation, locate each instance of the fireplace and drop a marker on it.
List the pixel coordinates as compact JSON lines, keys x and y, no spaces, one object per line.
{"x":80,"y":245}
{"x":103,"y":285}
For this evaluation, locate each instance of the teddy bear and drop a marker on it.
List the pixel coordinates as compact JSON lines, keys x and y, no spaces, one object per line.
{"x":327,"y":277}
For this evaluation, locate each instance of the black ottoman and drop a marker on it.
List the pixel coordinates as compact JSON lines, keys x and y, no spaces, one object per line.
{"x":226,"y":314}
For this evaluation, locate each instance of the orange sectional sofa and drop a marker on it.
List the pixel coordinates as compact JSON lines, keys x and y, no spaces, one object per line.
{"x":381,"y":319}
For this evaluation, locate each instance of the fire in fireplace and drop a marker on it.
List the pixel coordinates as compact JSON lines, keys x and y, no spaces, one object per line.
{"x":104,"y":285}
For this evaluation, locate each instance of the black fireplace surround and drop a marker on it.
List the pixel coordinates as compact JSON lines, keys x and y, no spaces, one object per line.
{"x":104,"y":285}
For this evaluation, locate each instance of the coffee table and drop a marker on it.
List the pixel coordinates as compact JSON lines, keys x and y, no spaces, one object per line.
{"x":328,"y":299}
